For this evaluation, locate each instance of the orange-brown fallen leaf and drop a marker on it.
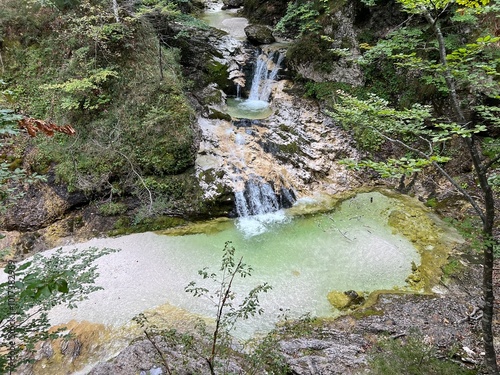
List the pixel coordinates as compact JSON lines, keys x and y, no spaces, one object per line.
{"x":34,"y":126}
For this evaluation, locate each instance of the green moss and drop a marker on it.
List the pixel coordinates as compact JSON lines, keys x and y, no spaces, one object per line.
{"x":112,"y":209}
{"x":453,"y":267}
{"x":217,"y":73}
{"x":412,"y":355}
{"x":199,"y":227}
{"x":126,"y":226}
{"x":433,"y":239}
{"x":146,"y":125}
{"x":312,"y":49}
{"x":290,"y":148}
{"x":431,"y":202}
{"x":218,"y":115}
{"x":16,"y":164}
{"x":345,"y":300}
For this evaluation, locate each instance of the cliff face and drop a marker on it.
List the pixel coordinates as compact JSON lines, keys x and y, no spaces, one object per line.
{"x":266,"y":12}
{"x":329,"y":43}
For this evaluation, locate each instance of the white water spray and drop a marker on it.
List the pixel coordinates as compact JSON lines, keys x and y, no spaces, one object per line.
{"x":267,"y":67}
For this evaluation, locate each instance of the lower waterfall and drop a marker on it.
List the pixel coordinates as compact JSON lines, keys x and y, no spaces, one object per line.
{"x":259,"y":207}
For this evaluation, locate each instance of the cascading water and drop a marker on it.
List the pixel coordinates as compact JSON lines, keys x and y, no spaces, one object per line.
{"x":265,"y":72}
{"x":259,"y":207}
{"x":264,"y":76}
{"x":256,"y":202}
{"x":256,"y":199}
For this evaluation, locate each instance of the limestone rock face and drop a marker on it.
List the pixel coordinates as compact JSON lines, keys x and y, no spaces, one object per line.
{"x":345,"y":27}
{"x":42,"y":205}
{"x":266,"y":12}
{"x":259,"y":34}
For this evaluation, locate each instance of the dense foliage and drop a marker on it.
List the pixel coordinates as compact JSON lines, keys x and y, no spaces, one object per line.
{"x":31,"y":291}
{"x":79,"y":63}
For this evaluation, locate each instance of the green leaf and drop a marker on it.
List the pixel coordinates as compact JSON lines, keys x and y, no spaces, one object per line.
{"x":62,"y":286}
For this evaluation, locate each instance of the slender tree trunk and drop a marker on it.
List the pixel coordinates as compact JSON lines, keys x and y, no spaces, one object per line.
{"x":160,"y":59}
{"x":115,"y":11}
{"x":489,"y":298}
{"x":487,"y":214}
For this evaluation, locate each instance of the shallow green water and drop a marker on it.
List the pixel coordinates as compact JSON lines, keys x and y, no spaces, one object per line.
{"x":303,"y":258}
{"x":250,"y":109}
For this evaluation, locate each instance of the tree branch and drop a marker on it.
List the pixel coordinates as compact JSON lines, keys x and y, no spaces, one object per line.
{"x":490,"y":163}
{"x":469,"y":198}
{"x":150,"y":209}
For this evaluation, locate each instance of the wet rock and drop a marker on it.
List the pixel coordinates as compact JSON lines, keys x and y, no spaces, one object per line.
{"x":331,"y":352}
{"x":245,"y":123}
{"x":142,"y":356}
{"x":286,"y":197}
{"x":43,"y":204}
{"x":345,"y":300}
{"x":232,"y":4}
{"x":259,"y":34}
{"x":215,"y":114}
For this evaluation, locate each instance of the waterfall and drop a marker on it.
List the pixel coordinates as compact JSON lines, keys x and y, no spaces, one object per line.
{"x":259,"y":208}
{"x":264,"y":76}
{"x":238,"y":91}
{"x":257,"y":204}
{"x":265,"y":71}
{"x":258,"y":198}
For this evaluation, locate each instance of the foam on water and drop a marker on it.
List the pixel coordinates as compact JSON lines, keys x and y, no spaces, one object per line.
{"x":255,"y":225}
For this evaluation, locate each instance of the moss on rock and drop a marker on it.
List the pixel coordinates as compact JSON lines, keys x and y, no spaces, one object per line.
{"x":430,"y":236}
{"x":346,"y":300}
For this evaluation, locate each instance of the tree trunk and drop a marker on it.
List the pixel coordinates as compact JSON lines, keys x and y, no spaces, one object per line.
{"x":115,"y":11}
{"x":487,"y":215}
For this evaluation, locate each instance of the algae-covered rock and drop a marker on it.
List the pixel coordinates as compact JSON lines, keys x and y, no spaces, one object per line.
{"x":215,"y":114}
{"x":431,"y":237}
{"x":345,"y":300}
{"x":415,"y":225}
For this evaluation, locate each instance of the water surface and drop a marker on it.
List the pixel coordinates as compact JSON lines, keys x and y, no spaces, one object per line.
{"x":303,"y":258}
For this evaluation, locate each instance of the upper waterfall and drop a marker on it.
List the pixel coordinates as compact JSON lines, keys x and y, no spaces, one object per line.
{"x":264,"y":74}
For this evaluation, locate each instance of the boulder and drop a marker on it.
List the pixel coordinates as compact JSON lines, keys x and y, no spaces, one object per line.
{"x":259,"y":34}
{"x":232,"y":4}
{"x":41,"y":205}
{"x":345,"y":300}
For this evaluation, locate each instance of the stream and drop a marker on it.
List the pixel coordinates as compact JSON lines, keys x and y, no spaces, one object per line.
{"x":304,"y":249}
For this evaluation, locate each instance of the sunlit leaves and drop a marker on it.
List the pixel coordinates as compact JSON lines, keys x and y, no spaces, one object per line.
{"x":448,"y":130}
{"x":395,"y":168}
{"x":473,"y":3}
{"x":415,"y":6}
{"x":8,"y":122}
{"x":85,"y":93}
{"x":369,"y":117}
{"x":34,"y":288}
